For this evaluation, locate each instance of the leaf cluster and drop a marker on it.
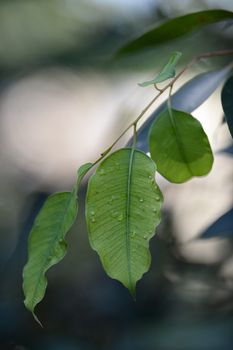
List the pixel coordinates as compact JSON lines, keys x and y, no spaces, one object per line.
{"x":123,"y":201}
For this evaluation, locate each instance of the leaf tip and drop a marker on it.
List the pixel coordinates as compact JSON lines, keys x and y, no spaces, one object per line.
{"x":37,"y":319}
{"x":31,"y":309}
{"x":132,"y":290}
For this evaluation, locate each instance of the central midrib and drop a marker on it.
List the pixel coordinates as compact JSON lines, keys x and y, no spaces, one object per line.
{"x":128,"y":204}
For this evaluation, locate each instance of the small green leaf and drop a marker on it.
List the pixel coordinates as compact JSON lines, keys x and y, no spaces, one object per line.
{"x":227,"y":103}
{"x":179,"y":146}
{"x":47,"y":245}
{"x":167,"y":72}
{"x":173,"y":29}
{"x":122,"y":211}
{"x":81,"y":173}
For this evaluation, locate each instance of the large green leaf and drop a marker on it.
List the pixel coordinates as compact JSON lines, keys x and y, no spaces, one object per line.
{"x":173,"y":29}
{"x":179,"y":146}
{"x":227,"y":103}
{"x":47,"y":245}
{"x":122,"y":211}
{"x":167,"y":72}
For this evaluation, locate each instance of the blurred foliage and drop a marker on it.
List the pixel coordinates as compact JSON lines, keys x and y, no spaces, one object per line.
{"x":227,"y":103}
{"x":173,"y":29}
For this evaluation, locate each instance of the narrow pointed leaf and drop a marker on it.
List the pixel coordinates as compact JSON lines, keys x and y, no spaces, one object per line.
{"x":167,"y":72}
{"x":221,"y":228}
{"x":173,"y":29}
{"x":47,"y":245}
{"x":227,"y":103}
{"x":179,"y":146}
{"x":122,"y":211}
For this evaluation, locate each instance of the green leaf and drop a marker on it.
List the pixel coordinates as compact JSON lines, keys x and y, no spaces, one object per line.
{"x":122,"y":211}
{"x":167,"y":72}
{"x":179,"y":146}
{"x":47,"y":245}
{"x":81,"y":173}
{"x":227,"y":103}
{"x":173,"y":29}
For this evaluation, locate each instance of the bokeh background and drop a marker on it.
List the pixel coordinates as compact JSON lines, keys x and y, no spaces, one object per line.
{"x":62,"y":101}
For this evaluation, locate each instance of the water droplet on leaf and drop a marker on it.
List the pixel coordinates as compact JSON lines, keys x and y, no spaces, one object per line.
{"x":114,"y":196}
{"x":133,"y":233}
{"x":120,"y":217}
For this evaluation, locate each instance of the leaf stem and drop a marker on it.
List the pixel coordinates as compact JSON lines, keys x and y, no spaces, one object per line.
{"x":161,"y":91}
{"x":169,"y":102}
{"x":134,"y":135}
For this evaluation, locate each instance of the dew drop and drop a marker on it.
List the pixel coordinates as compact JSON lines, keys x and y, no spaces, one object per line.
{"x":60,"y":240}
{"x":92,"y":219}
{"x":145,"y":236}
{"x":120,"y":217}
{"x":141,"y":200}
{"x":133,"y":233}
{"x":157,"y":198}
{"x":154,"y":210}
{"x":92,"y":212}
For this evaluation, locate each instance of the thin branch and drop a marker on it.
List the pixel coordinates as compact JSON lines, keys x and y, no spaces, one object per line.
{"x":162,"y":90}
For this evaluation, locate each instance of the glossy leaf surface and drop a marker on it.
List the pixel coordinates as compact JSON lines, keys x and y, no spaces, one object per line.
{"x":167,"y":72}
{"x":179,"y":146}
{"x":227,"y":103}
{"x":173,"y":29}
{"x":122,"y":211}
{"x":47,"y":245}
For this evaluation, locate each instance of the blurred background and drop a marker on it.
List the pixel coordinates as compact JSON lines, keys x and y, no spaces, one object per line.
{"x":63,"y":100}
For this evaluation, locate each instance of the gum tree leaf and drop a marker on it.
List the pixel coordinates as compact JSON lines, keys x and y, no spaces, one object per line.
{"x":173,"y":29}
{"x":179,"y":146}
{"x":47,"y":245}
{"x":122,"y":211}
{"x":221,"y":228}
{"x":167,"y":72}
{"x":190,"y":96}
{"x":228,"y":150}
{"x":227,"y":103}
